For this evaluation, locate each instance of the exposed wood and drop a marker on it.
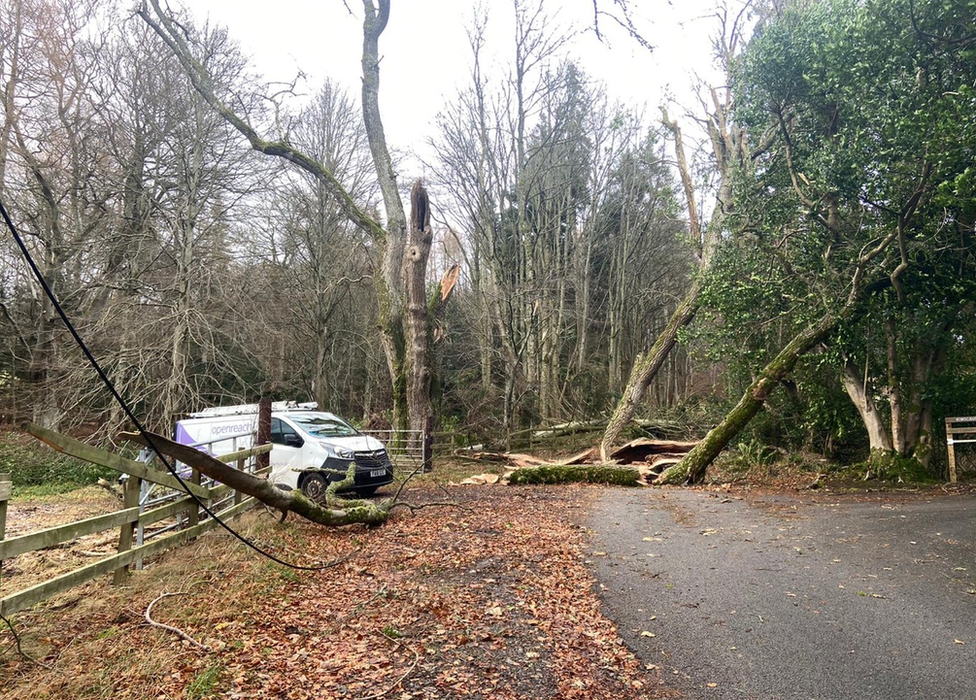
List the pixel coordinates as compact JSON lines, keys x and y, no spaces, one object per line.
{"x":590,"y":455}
{"x":638,"y":450}
{"x":658,"y":463}
{"x":448,"y":280}
{"x":439,"y":303}
{"x":514,"y":459}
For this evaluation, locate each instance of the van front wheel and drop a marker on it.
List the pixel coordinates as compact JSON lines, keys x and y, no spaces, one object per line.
{"x":313,"y":486}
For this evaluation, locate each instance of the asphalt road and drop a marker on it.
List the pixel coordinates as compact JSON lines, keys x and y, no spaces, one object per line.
{"x":779,"y":598}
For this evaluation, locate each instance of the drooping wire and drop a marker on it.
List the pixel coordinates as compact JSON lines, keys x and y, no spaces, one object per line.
{"x":125,"y":406}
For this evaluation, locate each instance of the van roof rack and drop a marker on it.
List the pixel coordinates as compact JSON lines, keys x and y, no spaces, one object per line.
{"x":252,"y":408}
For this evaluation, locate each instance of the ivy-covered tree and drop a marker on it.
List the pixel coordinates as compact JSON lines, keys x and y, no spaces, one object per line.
{"x":857,"y":224}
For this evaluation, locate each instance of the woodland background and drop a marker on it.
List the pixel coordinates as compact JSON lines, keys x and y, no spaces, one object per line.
{"x":832,"y":199}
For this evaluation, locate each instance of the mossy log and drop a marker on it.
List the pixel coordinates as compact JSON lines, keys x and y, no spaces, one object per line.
{"x":583,"y":473}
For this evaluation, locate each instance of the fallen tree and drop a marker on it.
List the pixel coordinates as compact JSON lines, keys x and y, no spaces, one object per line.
{"x":692,"y":467}
{"x":335,"y":511}
{"x":583,"y":473}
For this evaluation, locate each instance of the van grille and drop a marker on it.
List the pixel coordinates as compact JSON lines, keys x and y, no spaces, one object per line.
{"x":372,"y":460}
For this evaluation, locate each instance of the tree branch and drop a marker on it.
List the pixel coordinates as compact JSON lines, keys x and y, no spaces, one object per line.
{"x":175,"y":630}
{"x":173,"y":35}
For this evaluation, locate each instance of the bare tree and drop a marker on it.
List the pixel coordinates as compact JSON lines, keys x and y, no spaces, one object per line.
{"x":730,"y":151}
{"x":388,"y":240}
{"x":54,"y":178}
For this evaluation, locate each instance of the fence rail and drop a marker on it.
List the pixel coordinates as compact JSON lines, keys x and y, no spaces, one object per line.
{"x":132,"y":518}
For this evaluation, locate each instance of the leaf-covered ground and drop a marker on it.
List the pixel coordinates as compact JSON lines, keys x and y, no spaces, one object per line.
{"x":489,"y":600}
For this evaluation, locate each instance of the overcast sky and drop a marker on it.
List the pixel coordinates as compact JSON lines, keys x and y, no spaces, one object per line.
{"x":425,"y":54}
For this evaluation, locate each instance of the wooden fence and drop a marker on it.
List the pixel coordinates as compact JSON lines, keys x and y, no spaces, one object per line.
{"x":225,"y":502}
{"x":959,"y":431}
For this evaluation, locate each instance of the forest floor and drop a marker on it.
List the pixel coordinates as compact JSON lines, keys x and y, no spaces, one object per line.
{"x":491,"y":598}
{"x":494,"y":597}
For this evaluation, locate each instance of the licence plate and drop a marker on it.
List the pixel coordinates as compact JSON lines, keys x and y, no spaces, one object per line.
{"x":376,"y":473}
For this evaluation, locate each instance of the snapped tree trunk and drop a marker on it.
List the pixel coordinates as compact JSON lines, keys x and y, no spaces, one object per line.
{"x":417,"y":334}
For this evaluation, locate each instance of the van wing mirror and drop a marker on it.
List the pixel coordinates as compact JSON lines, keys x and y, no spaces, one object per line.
{"x":293,"y":440}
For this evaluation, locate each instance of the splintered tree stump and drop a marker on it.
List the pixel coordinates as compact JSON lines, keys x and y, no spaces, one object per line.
{"x":644,"y":449}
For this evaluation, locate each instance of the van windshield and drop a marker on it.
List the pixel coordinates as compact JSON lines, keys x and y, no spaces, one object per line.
{"x":324,"y":425}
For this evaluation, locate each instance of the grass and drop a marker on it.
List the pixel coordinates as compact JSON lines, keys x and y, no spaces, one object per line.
{"x":206,"y":683}
{"x":37,"y":470}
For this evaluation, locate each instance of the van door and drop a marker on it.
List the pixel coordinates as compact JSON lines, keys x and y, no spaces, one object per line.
{"x":286,"y":453}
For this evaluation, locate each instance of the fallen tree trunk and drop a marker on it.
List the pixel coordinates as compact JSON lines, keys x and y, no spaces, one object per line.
{"x":336,"y":511}
{"x":692,"y":468}
{"x":567,"y":474}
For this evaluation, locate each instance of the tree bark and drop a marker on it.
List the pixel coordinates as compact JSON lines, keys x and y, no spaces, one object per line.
{"x":692,"y":468}
{"x":417,"y":334}
{"x":878,"y":437}
{"x":390,"y":295}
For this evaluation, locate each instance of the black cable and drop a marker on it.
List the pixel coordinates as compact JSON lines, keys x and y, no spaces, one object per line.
{"x":125,"y":407}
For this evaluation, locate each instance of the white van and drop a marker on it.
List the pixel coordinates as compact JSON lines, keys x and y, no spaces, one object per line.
{"x":310,"y":448}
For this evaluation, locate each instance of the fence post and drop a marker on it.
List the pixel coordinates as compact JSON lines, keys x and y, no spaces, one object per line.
{"x":238,"y":496}
{"x":5,"y":490}
{"x":130,"y":499}
{"x":950,"y":448}
{"x":427,"y":445}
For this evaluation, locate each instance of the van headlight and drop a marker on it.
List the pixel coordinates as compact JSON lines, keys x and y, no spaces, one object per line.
{"x":342,"y":453}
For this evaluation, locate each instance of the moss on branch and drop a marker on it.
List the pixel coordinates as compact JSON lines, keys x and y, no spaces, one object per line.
{"x":589,"y":474}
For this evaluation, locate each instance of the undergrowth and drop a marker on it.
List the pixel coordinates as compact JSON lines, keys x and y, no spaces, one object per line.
{"x":893,"y":467}
{"x":37,"y":470}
